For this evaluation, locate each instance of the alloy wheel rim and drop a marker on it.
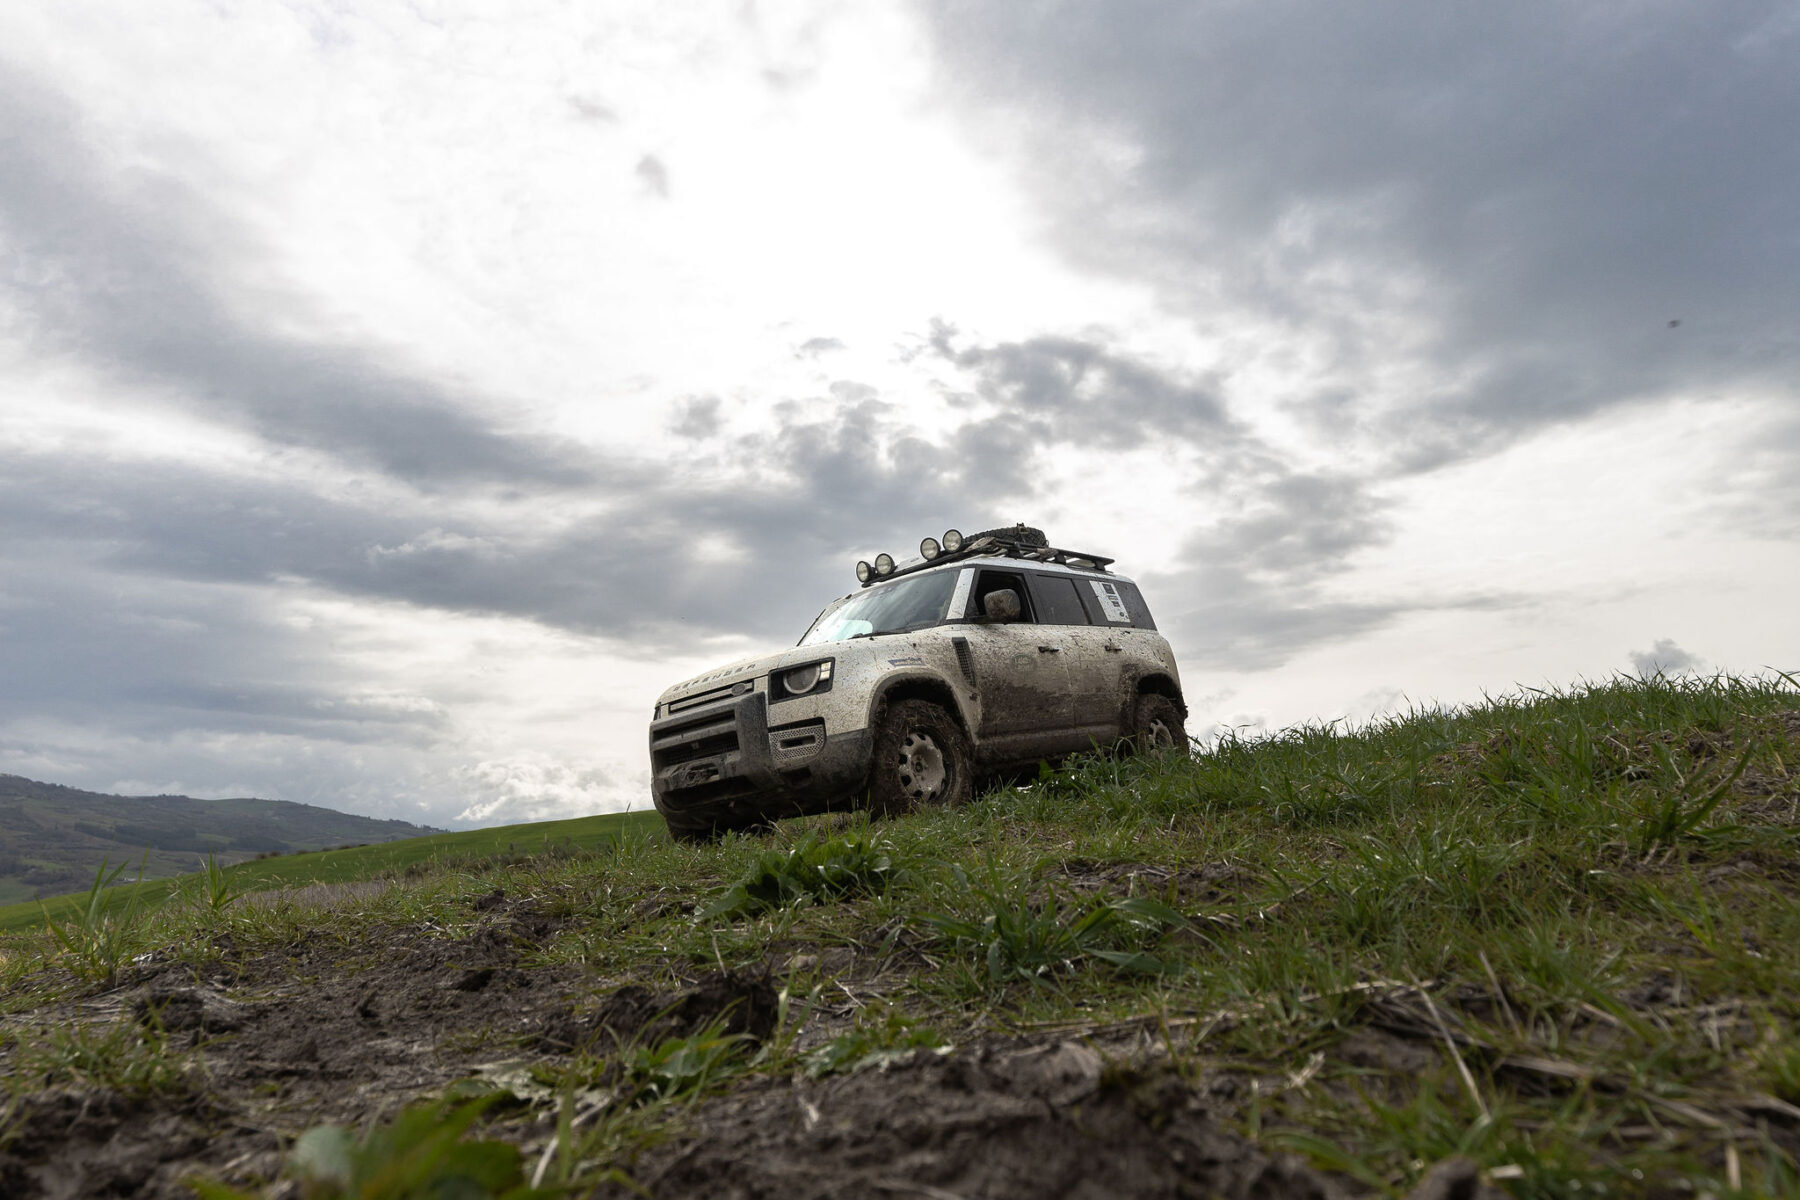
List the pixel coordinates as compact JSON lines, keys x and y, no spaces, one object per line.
{"x":921,"y":768}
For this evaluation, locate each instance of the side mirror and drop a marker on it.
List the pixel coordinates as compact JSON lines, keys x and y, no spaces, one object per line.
{"x":1003,"y":605}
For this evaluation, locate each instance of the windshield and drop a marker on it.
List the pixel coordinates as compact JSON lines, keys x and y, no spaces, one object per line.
{"x":898,"y":607}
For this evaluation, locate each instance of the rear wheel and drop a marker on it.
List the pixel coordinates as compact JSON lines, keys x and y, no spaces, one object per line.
{"x":921,"y":759}
{"x":1157,"y":726}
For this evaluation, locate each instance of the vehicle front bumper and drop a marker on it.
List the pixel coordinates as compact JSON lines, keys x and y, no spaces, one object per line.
{"x":723,"y":765}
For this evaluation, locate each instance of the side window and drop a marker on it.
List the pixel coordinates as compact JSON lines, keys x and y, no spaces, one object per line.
{"x":1058,"y":602}
{"x":989,"y":582}
{"x":1140,"y":612}
{"x":1115,"y":602}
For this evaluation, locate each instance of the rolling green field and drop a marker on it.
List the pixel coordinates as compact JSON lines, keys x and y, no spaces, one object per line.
{"x":53,"y":838}
{"x":1547,"y":946}
{"x":357,"y":863}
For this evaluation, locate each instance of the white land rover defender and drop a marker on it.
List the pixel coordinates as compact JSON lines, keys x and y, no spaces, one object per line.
{"x":983,"y":655}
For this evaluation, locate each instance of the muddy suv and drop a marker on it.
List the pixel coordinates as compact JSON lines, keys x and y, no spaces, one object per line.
{"x":983,"y":655}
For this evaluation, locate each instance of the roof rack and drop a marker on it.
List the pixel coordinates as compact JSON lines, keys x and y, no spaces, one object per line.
{"x":999,"y":545}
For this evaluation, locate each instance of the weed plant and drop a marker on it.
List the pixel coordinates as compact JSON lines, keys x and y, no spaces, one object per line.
{"x":860,"y":862}
{"x":95,"y":942}
{"x":422,"y":1152}
{"x":124,"y":1057}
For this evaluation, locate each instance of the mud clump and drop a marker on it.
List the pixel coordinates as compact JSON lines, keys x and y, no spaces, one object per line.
{"x":1001,"y":1122}
{"x":77,"y":1143}
{"x":739,"y":1002}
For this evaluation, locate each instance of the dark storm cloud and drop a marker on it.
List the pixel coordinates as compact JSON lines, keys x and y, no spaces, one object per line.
{"x":144,"y":279}
{"x":1254,"y":587}
{"x":1543,"y":188}
{"x":1079,"y":391}
{"x":783,"y":507}
{"x":1251,"y":585}
{"x":156,"y":654}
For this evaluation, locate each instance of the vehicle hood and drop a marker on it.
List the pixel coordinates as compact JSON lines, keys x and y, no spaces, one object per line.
{"x":748,"y":669}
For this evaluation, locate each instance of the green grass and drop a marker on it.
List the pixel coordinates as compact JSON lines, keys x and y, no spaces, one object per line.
{"x":356,"y":863}
{"x":1570,"y":920}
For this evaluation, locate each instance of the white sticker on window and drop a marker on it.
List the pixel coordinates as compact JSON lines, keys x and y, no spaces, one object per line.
{"x":1111,"y":602}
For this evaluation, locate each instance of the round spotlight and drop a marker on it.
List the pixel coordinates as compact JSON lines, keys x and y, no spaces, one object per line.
{"x":929,"y":549}
{"x":864,"y":572}
{"x":884,"y":564}
{"x":953,"y":540}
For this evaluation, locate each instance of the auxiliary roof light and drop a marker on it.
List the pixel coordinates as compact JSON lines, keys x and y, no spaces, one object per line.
{"x":953,"y":540}
{"x":884,"y":564}
{"x":929,"y":549}
{"x":864,"y":572}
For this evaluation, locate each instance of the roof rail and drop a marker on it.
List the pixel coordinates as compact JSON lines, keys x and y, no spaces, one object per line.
{"x":998,"y":545}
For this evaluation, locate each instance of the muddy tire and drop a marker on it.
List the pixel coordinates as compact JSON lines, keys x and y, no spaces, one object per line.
{"x":921,"y":760}
{"x":1156,"y":726}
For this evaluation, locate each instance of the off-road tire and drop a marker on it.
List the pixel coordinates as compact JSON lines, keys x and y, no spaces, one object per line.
{"x":921,"y":760}
{"x":1156,"y":726}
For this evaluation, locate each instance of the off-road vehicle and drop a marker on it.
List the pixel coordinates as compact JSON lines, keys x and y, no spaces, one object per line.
{"x":981,"y":656}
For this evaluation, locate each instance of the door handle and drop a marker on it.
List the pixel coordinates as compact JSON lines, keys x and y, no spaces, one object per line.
{"x":1049,"y":649}
{"x":1112,"y":649}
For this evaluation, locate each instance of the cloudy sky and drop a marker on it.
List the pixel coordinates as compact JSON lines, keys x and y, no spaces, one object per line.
{"x":394,"y":398}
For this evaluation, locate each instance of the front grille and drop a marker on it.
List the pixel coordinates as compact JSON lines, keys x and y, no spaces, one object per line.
{"x":703,"y":738}
{"x":710,"y":696}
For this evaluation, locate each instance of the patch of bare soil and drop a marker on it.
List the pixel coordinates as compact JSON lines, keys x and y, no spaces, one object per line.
{"x":322,"y":1032}
{"x":1000,"y":1122}
{"x":737,"y":1002}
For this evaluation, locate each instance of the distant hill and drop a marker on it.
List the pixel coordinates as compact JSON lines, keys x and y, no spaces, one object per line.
{"x":53,"y":838}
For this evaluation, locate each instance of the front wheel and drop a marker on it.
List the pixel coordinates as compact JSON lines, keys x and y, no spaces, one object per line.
{"x":1157,"y":725}
{"x":921,"y":760}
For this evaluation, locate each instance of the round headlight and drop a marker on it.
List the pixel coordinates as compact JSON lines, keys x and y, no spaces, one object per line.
{"x":800,"y":680}
{"x":864,"y":572}
{"x":884,"y":564}
{"x":953,"y":540}
{"x":929,"y":549}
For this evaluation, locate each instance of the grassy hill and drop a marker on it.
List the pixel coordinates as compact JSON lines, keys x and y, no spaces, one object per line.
{"x":52,"y":838}
{"x":351,"y":864}
{"x":1548,"y":946}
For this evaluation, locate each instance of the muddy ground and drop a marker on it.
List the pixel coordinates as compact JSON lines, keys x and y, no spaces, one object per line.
{"x":347,"y":1033}
{"x":349,"y":1029}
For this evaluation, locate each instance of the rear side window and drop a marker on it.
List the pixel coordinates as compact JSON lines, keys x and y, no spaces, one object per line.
{"x":1115,"y":602}
{"x":1058,"y":600}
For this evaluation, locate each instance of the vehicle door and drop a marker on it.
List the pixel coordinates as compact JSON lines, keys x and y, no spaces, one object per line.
{"x":1092,"y":658}
{"x":1020,"y":681}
